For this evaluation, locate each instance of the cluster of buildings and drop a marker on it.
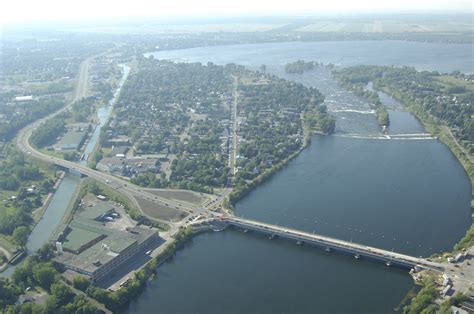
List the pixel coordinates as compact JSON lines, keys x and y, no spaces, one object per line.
{"x":129,"y":167}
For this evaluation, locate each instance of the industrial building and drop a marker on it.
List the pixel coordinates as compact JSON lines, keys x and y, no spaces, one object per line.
{"x":72,"y":140}
{"x":87,"y":246}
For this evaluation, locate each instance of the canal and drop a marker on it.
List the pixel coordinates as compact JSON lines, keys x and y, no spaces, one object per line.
{"x":410,"y":196}
{"x":69,"y":185}
{"x":103,"y":114}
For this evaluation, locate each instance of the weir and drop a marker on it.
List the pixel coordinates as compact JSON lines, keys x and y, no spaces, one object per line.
{"x":331,"y":244}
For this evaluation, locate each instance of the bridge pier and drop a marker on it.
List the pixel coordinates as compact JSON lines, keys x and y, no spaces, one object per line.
{"x":328,"y":244}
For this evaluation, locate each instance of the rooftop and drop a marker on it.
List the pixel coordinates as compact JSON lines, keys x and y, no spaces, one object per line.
{"x":84,"y":231}
{"x":73,"y":137}
{"x":96,"y":211}
{"x":98,"y":254}
{"x":119,"y":150}
{"x":78,"y":237}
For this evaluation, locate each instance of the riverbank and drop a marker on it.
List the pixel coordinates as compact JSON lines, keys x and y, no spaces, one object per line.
{"x":441,"y":131}
{"x":447,"y":138}
{"x":131,"y":290}
{"x":428,"y":293}
{"x":236,"y":196}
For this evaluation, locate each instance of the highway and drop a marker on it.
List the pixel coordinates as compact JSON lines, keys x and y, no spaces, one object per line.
{"x":132,"y":191}
{"x":127,"y":188}
{"x":105,"y":178}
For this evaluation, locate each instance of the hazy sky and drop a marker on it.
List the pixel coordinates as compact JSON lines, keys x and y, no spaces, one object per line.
{"x":18,"y":11}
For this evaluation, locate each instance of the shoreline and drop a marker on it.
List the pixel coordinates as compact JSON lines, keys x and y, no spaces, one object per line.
{"x":441,"y":132}
{"x":232,"y":199}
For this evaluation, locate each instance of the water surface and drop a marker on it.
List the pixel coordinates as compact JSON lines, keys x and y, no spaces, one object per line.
{"x":411,"y":196}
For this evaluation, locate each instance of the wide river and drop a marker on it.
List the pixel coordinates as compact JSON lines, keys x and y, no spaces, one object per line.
{"x":411,"y":196}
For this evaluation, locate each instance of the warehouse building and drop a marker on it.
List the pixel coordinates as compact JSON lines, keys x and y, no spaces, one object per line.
{"x":89,"y":247}
{"x":72,"y":140}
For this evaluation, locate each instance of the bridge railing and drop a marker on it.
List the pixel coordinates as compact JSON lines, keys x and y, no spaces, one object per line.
{"x":348,"y":247}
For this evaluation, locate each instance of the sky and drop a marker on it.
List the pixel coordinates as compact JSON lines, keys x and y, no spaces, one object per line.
{"x":23,"y":11}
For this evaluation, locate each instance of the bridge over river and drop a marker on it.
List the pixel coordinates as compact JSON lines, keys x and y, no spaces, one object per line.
{"x":331,"y":244}
{"x":405,"y":137}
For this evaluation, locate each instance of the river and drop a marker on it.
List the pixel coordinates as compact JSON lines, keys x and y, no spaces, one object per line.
{"x":411,"y":196}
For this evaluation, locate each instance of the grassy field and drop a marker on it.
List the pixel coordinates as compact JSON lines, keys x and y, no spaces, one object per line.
{"x":449,"y":81}
{"x":189,"y":197}
{"x":160,"y":211}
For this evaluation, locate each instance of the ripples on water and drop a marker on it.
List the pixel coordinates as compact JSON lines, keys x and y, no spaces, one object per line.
{"x":410,"y":196}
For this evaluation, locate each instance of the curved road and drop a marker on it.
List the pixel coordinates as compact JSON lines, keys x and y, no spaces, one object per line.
{"x":23,"y":143}
{"x":105,"y":178}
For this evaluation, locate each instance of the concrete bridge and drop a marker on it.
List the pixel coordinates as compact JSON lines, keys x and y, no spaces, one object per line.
{"x":331,"y":244}
{"x":406,"y":137}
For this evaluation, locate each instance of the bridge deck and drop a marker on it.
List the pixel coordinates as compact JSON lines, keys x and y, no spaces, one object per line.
{"x":332,"y":243}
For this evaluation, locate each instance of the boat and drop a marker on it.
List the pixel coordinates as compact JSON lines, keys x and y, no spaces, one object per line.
{"x":327,"y":249}
{"x":246,"y":230}
{"x":389,"y":263}
{"x":357,"y":256}
{"x":299,"y":242}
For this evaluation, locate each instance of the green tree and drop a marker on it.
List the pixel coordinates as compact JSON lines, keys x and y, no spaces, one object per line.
{"x":81,"y":283}
{"x":8,"y":293}
{"x":51,"y":305}
{"x":62,"y":293}
{"x":44,"y":275}
{"x":45,"y":253}
{"x":20,"y":235}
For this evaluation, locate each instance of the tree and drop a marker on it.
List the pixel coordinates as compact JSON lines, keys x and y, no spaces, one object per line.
{"x":81,"y":306}
{"x":62,"y":293}
{"x":81,"y":283}
{"x":44,"y":275}
{"x":20,"y":235}
{"x":51,"y":305}
{"x":8,"y":294}
{"x":93,"y":188}
{"x":45,"y":253}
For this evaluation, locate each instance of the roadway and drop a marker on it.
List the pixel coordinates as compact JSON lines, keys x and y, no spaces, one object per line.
{"x":233,"y":148}
{"x":132,"y":191}
{"x":127,"y":188}
{"x":83,"y":80}
{"x":109,"y":180}
{"x":350,"y":247}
